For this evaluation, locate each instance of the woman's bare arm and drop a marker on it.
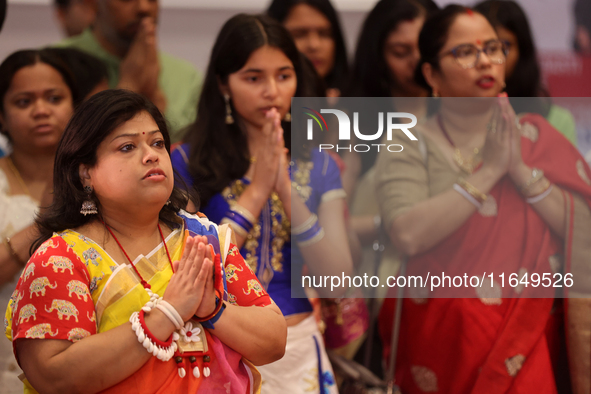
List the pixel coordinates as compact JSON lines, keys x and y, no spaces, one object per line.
{"x":331,"y":255}
{"x":92,"y":364}
{"x":10,"y":265}
{"x":102,"y":360}
{"x":429,"y":222}
{"x":258,"y":333}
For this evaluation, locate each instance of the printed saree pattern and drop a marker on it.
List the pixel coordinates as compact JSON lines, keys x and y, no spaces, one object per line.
{"x":71,"y":289}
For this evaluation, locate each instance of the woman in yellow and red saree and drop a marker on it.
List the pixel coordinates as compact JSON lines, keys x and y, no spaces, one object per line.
{"x":176,"y":277}
{"x":521,"y":206}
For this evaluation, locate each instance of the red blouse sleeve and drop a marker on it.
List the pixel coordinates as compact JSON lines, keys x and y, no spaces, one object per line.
{"x":52,"y":298}
{"x":244,"y":288}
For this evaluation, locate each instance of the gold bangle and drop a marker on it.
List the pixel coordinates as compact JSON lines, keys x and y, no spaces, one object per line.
{"x":12,"y":252}
{"x":473,"y":191}
{"x":545,"y":185}
{"x":536,"y":175}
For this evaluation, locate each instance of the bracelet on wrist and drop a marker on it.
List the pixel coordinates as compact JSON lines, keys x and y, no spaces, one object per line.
{"x":316,"y":237}
{"x":307,"y":225}
{"x":166,"y":308}
{"x":213,"y":317}
{"x":152,"y":344}
{"x":467,"y":196}
{"x":540,"y":196}
{"x":148,"y":333}
{"x":472,"y":190}
{"x":210,"y":322}
{"x":240,"y":219}
{"x":536,"y":188}
{"x":536,"y":175}
{"x":309,"y":232}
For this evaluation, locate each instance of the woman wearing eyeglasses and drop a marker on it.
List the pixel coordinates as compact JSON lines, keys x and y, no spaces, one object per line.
{"x":479,"y":193}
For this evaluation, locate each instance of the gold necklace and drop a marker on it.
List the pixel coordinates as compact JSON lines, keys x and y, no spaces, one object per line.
{"x":466,"y":164}
{"x":18,"y":176}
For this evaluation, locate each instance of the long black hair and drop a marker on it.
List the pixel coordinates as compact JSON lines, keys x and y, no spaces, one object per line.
{"x":525,"y":81}
{"x":218,"y":151}
{"x":87,"y":70}
{"x":92,"y":122}
{"x":29,"y":57}
{"x":371,"y":76}
{"x":338,"y":76}
{"x":2,"y":13}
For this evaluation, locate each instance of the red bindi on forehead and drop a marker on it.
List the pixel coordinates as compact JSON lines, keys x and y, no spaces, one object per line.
{"x":478,"y":42}
{"x":469,"y":11}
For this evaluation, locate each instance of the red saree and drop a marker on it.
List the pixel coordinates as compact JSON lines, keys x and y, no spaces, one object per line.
{"x":493,"y":343}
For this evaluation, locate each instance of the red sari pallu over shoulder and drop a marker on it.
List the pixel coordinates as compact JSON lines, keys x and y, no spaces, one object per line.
{"x":493,"y":343}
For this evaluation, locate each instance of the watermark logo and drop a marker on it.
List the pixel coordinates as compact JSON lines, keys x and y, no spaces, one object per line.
{"x":392,"y":123}
{"x":315,"y":117}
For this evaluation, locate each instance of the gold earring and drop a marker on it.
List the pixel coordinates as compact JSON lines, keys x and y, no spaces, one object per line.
{"x":229,"y":117}
{"x":435,"y":94}
{"x":287,"y":117}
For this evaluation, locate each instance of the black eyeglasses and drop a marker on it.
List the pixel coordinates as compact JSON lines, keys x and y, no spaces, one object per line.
{"x":467,"y":55}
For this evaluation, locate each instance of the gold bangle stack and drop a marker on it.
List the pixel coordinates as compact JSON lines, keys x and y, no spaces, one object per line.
{"x":472,"y":190}
{"x":531,"y":187}
{"x":537,"y":191}
{"x":536,"y":176}
{"x":12,"y":252}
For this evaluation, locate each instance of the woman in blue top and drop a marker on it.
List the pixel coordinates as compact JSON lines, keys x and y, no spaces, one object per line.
{"x":246,"y":175}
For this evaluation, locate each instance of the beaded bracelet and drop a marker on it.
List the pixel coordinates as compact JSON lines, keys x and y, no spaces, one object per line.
{"x":149,"y":341}
{"x":141,"y":318}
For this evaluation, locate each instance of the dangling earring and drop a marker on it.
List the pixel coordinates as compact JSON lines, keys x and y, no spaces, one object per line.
{"x":229,"y":117}
{"x":287,"y":117}
{"x":88,"y":205}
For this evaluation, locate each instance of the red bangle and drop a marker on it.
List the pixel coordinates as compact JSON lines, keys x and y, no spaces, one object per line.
{"x":150,"y":335}
{"x":218,"y":306}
